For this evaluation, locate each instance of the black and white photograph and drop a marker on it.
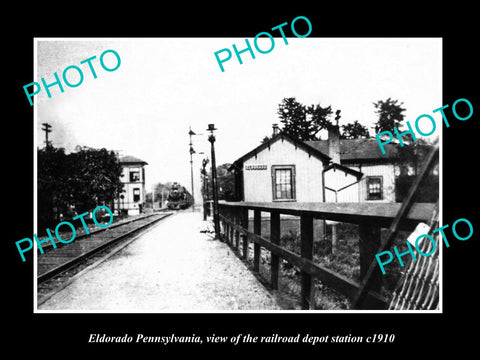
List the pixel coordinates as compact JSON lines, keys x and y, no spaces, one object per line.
{"x":226,"y":189}
{"x":296,"y":163}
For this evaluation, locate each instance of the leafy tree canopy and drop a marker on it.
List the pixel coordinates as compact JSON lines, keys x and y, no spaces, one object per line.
{"x":297,"y":124}
{"x":390,"y":115}
{"x":225,"y":183}
{"x":82,"y":179}
{"x":354,"y":130}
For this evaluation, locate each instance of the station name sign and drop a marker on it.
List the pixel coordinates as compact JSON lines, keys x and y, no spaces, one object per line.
{"x":256,"y":167}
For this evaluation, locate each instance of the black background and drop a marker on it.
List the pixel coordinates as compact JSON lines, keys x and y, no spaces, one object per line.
{"x":57,"y":335}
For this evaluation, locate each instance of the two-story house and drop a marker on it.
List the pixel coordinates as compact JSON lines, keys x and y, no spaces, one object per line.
{"x":133,"y":178}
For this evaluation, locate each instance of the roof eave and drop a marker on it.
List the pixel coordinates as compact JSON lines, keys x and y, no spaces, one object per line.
{"x":353,"y":172}
{"x":308,"y":148}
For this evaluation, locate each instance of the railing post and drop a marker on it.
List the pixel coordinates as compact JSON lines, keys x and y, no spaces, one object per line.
{"x":223,"y":224}
{"x":257,"y":229}
{"x":222,"y":211}
{"x":244,"y":224}
{"x":306,"y":236}
{"x":228,"y":228}
{"x":369,"y":242}
{"x":275,"y":239}
{"x":237,"y":214}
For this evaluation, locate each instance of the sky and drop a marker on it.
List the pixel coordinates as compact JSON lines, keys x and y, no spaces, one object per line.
{"x":164,"y":86}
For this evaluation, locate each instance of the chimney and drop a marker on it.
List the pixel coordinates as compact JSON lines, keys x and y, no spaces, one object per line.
{"x":334,"y":143}
{"x":276,"y":129}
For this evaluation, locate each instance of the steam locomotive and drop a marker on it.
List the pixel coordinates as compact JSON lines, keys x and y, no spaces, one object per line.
{"x":178,"y":197}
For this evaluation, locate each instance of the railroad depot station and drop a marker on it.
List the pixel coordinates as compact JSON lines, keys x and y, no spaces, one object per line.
{"x":335,"y":170}
{"x":302,"y":232}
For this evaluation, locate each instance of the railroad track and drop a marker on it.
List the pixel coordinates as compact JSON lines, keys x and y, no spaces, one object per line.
{"x":56,"y":266}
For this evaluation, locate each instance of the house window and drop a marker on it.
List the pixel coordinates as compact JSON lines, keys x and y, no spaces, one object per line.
{"x":283,"y":182}
{"x":374,"y":187}
{"x":136,"y":194}
{"x":134,"y":175}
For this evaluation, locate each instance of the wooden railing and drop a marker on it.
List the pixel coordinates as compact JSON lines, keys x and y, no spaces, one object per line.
{"x":370,"y":217}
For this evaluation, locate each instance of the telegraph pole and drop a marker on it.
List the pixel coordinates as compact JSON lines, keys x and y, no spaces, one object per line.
{"x":192,"y":151}
{"x":46,"y":127}
{"x":205,"y":193}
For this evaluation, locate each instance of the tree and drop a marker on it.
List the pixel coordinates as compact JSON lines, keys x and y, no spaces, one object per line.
{"x":354,"y":130}
{"x":390,"y":115}
{"x":265,"y":139}
{"x":411,"y":157}
{"x":53,"y":192}
{"x":225,"y":183}
{"x":293,"y":116}
{"x":96,"y":179}
{"x":82,"y":180}
{"x":161,"y":191}
{"x":409,"y":162}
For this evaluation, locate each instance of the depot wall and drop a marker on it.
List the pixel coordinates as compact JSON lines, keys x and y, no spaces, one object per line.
{"x":258,"y":178}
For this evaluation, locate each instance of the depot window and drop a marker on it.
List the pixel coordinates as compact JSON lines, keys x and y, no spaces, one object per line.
{"x":283,"y":182}
{"x":374,"y":187}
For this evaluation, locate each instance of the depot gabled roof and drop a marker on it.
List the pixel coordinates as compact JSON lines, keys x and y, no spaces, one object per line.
{"x":312,"y":151}
{"x":358,"y":150}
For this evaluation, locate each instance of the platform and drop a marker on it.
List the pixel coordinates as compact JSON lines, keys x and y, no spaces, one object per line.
{"x":172,"y":267}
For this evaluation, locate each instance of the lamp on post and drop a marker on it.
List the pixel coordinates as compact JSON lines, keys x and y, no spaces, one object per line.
{"x":216,"y":220}
{"x":205,"y":194}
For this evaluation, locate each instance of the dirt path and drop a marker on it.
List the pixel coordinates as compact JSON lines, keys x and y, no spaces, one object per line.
{"x":172,"y":268}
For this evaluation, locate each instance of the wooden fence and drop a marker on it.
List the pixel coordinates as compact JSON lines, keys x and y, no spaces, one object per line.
{"x":370,"y":217}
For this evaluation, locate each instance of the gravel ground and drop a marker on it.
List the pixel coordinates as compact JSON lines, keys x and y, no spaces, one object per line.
{"x":174,"y":267}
